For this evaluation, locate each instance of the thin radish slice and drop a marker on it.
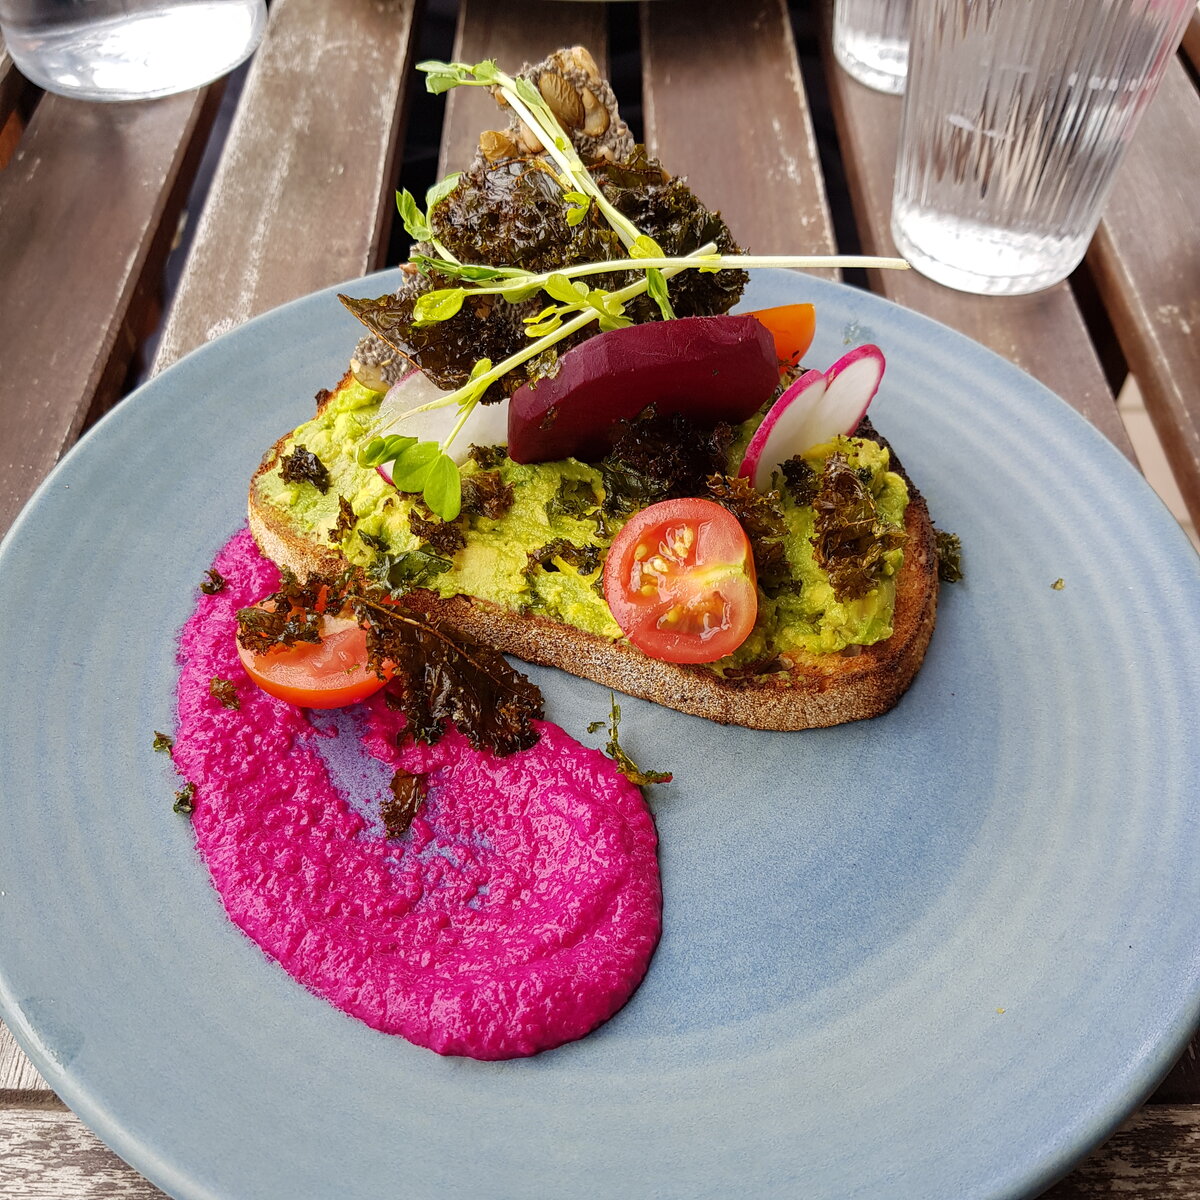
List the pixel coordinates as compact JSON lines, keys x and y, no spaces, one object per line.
{"x":816,"y":408}
{"x":486,"y":426}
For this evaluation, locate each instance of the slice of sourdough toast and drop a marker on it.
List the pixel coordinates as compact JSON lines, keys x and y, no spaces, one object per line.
{"x":811,"y":690}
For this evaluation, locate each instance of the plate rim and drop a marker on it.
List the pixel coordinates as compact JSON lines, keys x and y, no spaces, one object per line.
{"x":142,"y":1155}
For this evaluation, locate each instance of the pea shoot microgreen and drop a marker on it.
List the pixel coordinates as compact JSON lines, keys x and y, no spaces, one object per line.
{"x":425,"y":467}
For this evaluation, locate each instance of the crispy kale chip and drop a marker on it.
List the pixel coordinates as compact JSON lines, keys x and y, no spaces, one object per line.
{"x":800,"y":479}
{"x":487,"y":458}
{"x":444,"y":679}
{"x":345,"y":521}
{"x":291,"y":614}
{"x":850,"y":537}
{"x":303,"y":466}
{"x":214,"y":584}
{"x":511,"y":214}
{"x":224,"y":691}
{"x":445,"y":538}
{"x":760,"y":514}
{"x":405,"y":572}
{"x":185,"y":800}
{"x":574,"y":498}
{"x":584,"y":559}
{"x":398,"y":810}
{"x":485,"y":494}
{"x":434,"y":677}
{"x":660,"y":458}
{"x":635,"y":774}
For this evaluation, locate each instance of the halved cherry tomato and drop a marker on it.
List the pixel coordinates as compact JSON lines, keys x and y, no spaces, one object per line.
{"x":792,"y":326}
{"x":680,"y":581}
{"x":326,"y":674}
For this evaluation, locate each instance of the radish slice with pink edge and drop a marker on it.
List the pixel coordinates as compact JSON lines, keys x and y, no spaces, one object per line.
{"x":816,"y":408}
{"x":486,"y":426}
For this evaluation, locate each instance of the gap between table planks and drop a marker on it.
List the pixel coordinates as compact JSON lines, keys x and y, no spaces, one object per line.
{"x":49,"y":1154}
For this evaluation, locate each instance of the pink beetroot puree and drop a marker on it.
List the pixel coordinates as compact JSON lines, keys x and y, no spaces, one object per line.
{"x":518,"y":912}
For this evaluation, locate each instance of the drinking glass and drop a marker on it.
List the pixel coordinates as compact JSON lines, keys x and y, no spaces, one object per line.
{"x":129,"y":49}
{"x":870,"y":40}
{"x":1016,"y":117}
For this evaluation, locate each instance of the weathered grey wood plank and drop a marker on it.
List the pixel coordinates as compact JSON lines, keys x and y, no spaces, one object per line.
{"x":18,"y":1077}
{"x":88,"y":207}
{"x":705,"y":117}
{"x":1153,"y":1156}
{"x":1148,"y":273}
{"x":512,"y":34}
{"x":1043,"y":334}
{"x":303,"y":195}
{"x":52,"y":1155}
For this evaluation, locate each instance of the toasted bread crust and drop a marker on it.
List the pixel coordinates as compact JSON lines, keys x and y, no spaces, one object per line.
{"x":818,"y":690}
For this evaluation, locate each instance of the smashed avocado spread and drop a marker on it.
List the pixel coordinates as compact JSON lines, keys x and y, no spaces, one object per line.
{"x":521,"y":559}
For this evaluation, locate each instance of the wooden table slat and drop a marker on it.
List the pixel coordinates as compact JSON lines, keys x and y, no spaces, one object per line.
{"x":1043,"y":334}
{"x":705,"y":118}
{"x":303,"y":195}
{"x":1155,"y":1155}
{"x":512,"y":35}
{"x":1149,"y":278}
{"x":49,"y":1154}
{"x":18,"y":1076}
{"x":88,"y":207}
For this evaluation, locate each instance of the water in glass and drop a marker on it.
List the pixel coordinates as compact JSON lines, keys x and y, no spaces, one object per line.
{"x":129,"y":49}
{"x":1016,"y":117}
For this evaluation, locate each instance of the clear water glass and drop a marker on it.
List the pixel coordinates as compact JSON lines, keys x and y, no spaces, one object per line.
{"x":1016,"y":117}
{"x":129,"y":49}
{"x":870,"y":40}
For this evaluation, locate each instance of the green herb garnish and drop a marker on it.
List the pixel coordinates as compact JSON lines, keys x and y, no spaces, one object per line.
{"x":949,"y":556}
{"x":185,"y":799}
{"x":425,"y":467}
{"x":224,"y":691}
{"x":614,"y":750}
{"x":162,"y":742}
{"x":214,"y":583}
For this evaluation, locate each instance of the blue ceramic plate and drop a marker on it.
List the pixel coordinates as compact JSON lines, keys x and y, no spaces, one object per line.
{"x":937,"y":954}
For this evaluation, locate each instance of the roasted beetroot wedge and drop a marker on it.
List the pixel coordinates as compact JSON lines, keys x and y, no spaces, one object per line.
{"x":709,"y":368}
